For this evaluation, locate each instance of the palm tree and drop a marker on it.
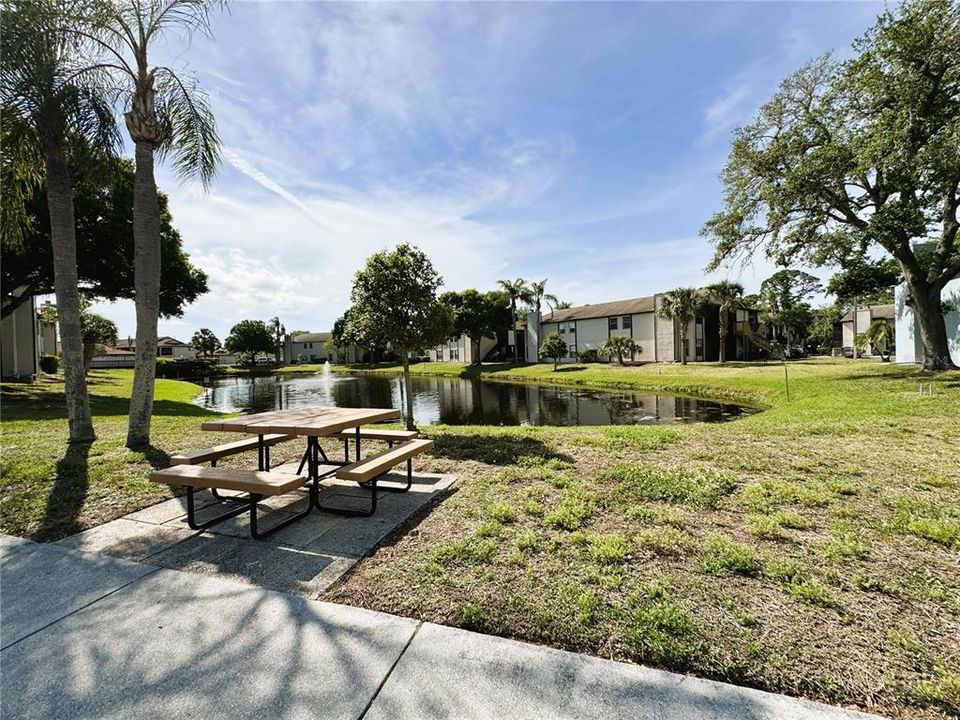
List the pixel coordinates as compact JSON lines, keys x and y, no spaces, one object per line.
{"x":164,"y":113}
{"x":53,"y":113}
{"x":729,"y":296}
{"x":515,"y":290}
{"x":879,"y":337}
{"x":680,"y":305}
{"x":537,"y":294}
{"x":619,"y":345}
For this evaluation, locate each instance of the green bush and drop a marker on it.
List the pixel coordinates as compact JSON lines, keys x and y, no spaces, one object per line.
{"x":588,"y":355}
{"x":49,"y":364}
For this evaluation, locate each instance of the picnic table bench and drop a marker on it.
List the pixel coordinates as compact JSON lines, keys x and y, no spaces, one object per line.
{"x":275,"y":427}
{"x":258,"y":484}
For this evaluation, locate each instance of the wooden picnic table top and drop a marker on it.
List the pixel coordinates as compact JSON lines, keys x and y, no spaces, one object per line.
{"x":319,"y":421}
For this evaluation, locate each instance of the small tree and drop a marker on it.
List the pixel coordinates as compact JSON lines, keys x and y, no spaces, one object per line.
{"x":249,"y":337}
{"x":395,"y":305}
{"x":278,"y":330}
{"x":554,"y":346}
{"x":477,"y":315}
{"x":97,"y":332}
{"x":680,"y":305}
{"x":205,"y":342}
{"x":878,"y":336}
{"x":619,"y":345}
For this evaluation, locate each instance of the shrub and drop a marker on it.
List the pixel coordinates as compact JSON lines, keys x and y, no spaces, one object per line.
{"x":722,"y":556}
{"x":588,"y":355}
{"x":49,"y":364}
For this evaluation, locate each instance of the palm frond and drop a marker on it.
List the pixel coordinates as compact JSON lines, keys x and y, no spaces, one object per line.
{"x":188,"y":128}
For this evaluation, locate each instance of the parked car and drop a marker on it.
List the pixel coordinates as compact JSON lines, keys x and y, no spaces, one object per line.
{"x":848,"y":352}
{"x":794,"y":353}
{"x":264,"y":361}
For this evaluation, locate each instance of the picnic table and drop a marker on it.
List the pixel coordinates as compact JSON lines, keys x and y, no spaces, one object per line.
{"x":309,"y":422}
{"x":273,"y":427}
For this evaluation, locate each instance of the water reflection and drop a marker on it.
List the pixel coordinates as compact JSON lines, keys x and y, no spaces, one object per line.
{"x":461,"y":401}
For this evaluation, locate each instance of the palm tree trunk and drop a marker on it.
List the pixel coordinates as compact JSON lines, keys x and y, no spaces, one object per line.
{"x":513,"y":326}
{"x":683,"y":346}
{"x":724,"y":319}
{"x":408,"y":386}
{"x":63,"y":239}
{"x":146,"y":282}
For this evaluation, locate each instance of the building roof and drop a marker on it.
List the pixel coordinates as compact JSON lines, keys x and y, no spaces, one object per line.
{"x":165,"y":340}
{"x":877,"y":312}
{"x":600,"y":310}
{"x":312,"y":337}
{"x":114,"y":351}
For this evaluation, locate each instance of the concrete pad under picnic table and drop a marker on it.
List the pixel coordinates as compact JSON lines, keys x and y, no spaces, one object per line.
{"x":175,"y":644}
{"x":304,"y":558}
{"x":43,"y":583}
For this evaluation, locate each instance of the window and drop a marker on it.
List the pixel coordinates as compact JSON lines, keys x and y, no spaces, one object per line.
{"x":455,"y":353}
{"x":626,"y":322}
{"x":572,"y":351}
{"x":563,"y":328}
{"x":572,"y":326}
{"x":612,"y":324}
{"x":165,"y":351}
{"x":439,"y":354}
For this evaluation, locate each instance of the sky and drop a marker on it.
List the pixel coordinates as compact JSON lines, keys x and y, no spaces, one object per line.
{"x":578,"y":142}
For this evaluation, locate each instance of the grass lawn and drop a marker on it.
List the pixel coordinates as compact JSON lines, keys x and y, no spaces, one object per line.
{"x":813,"y":548}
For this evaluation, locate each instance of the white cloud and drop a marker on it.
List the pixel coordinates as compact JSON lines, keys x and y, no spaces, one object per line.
{"x":726,"y":111}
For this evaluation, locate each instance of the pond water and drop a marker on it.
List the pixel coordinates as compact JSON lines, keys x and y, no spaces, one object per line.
{"x":463,"y":401}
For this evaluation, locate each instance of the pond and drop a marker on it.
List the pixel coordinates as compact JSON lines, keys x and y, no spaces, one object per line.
{"x":463,"y":401}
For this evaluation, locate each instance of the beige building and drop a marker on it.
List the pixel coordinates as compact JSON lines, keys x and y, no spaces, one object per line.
{"x":20,"y":339}
{"x":461,"y":349}
{"x":865,"y":317}
{"x":307,"y":348}
{"x":588,"y":327}
{"x":167,"y":347}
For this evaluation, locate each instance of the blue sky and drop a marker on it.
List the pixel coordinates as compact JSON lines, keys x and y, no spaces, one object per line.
{"x":575,"y":142}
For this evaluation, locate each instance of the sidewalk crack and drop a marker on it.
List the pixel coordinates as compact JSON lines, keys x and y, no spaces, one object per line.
{"x":390,"y":671}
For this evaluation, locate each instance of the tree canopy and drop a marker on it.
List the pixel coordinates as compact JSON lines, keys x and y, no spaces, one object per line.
{"x":859,"y":155}
{"x":249,"y":338}
{"x":205,"y":342}
{"x":554,"y":347}
{"x":104,"y":214}
{"x":478,"y":315}
{"x":395,"y":306}
{"x":865,"y":282}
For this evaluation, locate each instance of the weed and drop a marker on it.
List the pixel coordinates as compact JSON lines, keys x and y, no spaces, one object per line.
{"x":576,"y":507}
{"x":637,"y":482}
{"x":723,"y":556}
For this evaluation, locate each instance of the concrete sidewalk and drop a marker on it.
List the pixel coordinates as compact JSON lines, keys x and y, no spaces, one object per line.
{"x":89,"y":636}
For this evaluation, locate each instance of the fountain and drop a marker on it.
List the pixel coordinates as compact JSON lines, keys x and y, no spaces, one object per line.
{"x":327,"y":373}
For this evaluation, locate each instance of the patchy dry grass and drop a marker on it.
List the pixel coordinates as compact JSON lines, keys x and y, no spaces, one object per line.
{"x":810,"y":549}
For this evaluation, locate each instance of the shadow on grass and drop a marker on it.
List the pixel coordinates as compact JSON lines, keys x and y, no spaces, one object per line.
{"x":25,"y":405}
{"x":494,"y":449}
{"x":158,"y":459}
{"x":68,"y":495}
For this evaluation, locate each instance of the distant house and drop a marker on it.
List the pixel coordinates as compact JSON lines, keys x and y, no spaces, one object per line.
{"x":19,"y":336}
{"x":909,"y":347}
{"x":109,"y":357}
{"x":587,"y":327}
{"x":865,"y":318}
{"x":307,"y":348}
{"x":167,"y":347}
